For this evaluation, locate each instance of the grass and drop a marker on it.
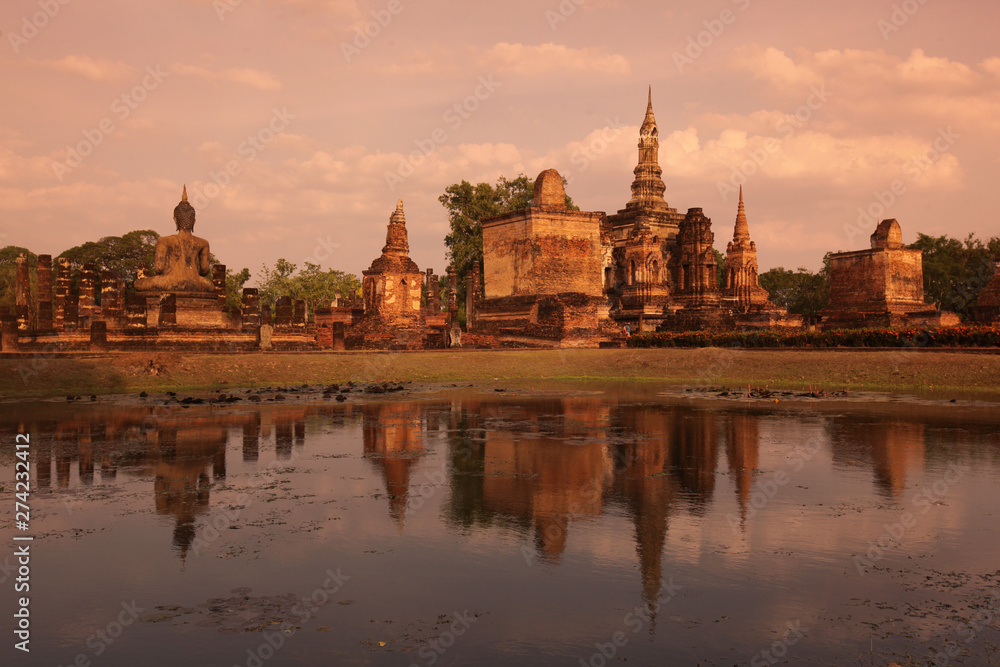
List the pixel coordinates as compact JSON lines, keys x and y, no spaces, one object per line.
{"x":777,"y":369}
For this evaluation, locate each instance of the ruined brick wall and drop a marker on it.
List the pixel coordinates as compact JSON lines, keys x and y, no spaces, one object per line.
{"x":876,"y":280}
{"x":543,"y":252}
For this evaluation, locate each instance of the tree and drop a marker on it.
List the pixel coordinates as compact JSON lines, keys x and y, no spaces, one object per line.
{"x":234,"y":288}
{"x":469,"y":204}
{"x":315,"y":286}
{"x":124,"y":255}
{"x":801,"y":292}
{"x":955,"y":271}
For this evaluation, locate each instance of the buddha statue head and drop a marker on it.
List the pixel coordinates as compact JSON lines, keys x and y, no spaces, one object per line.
{"x":184,"y":214}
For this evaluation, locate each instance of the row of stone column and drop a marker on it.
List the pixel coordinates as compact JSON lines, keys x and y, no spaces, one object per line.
{"x":61,"y":310}
{"x":287,"y":312}
{"x":473,"y":295}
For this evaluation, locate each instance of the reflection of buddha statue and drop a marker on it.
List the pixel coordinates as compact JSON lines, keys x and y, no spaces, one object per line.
{"x":182,"y":259}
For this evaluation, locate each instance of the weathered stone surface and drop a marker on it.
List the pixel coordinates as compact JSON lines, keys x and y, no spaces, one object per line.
{"x":550,"y":193}
{"x":98,"y":336}
{"x":741,"y":287}
{"x":543,"y":251}
{"x":182,"y":260}
{"x":391,"y":293}
{"x":251,"y":308}
{"x":877,"y":286}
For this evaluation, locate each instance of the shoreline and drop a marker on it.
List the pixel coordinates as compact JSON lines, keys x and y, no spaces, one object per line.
{"x":904,"y":370}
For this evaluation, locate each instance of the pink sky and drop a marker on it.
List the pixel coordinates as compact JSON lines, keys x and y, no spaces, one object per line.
{"x":164,"y":93}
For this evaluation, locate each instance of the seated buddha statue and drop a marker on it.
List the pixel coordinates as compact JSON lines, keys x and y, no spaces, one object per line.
{"x":181,"y":262}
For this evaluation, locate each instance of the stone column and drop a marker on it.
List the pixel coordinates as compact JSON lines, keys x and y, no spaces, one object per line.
{"x":111,"y":296}
{"x":8,"y":333}
{"x":71,"y":319}
{"x":283,"y":311}
{"x":22,"y":294}
{"x":452,"y":295}
{"x":44,"y":292}
{"x":338,"y":337}
{"x":219,"y":280}
{"x":99,"y":336}
{"x":471,"y":296}
{"x":62,"y":292}
{"x":251,"y":308}
{"x":299,"y":313}
{"x":135,"y":312}
{"x":434,"y":295}
{"x":265,"y":315}
{"x":168,"y":310}
{"x":88,"y":288}
{"x":324,"y":328}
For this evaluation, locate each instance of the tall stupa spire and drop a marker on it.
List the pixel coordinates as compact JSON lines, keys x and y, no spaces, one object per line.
{"x":648,"y":187}
{"x":395,"y":236}
{"x":742,"y":230}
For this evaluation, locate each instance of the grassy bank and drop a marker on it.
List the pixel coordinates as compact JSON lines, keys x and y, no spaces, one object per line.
{"x":787,"y":369}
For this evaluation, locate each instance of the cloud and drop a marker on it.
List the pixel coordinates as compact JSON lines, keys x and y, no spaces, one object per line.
{"x":88,"y":68}
{"x":551,"y":58}
{"x":242,"y":75}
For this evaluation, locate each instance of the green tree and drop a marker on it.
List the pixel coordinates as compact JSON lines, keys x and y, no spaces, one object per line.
{"x":124,"y":254}
{"x":315,"y":286}
{"x":954,"y":270}
{"x":234,"y":288}
{"x":802,"y":292}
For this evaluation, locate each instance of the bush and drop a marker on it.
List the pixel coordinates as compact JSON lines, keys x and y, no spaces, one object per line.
{"x":960,"y":336}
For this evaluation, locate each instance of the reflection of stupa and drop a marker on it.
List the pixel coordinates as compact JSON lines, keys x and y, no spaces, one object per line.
{"x":648,"y":493}
{"x":742,"y":454}
{"x":393,"y":443}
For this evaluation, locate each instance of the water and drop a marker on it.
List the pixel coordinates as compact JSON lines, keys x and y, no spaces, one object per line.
{"x":532,"y":527}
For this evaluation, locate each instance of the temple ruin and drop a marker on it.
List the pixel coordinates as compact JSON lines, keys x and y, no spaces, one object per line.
{"x":551,"y":276}
{"x":881,"y":286}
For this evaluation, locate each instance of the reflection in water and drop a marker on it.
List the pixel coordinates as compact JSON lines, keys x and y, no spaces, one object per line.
{"x":891,"y":448}
{"x":578,"y":479}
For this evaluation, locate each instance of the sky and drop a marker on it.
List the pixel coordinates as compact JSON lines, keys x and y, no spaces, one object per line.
{"x":297,"y":124}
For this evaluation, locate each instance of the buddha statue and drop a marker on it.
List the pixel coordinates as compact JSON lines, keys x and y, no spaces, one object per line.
{"x":181,"y":262}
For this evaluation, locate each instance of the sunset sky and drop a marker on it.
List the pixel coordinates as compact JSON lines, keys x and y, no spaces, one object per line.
{"x":296,"y":124}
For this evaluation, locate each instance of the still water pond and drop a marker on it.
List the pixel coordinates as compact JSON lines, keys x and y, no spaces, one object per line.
{"x":612,"y":525}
